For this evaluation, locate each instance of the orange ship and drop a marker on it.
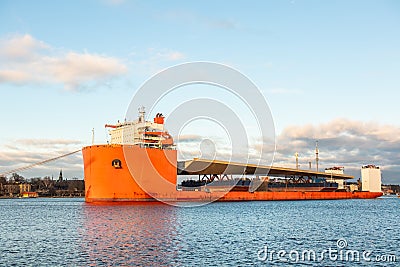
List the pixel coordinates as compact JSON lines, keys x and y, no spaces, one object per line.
{"x":140,"y":164}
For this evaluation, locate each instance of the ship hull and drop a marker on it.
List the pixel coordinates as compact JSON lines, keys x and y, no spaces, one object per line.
{"x":151,"y":175}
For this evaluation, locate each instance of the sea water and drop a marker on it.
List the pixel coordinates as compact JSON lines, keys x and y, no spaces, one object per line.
{"x":70,"y":232}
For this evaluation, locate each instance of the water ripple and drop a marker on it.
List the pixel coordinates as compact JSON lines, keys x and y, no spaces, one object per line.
{"x":59,"y":232}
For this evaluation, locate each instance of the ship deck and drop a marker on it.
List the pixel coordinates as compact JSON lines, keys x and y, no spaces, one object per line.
{"x":217,"y":167}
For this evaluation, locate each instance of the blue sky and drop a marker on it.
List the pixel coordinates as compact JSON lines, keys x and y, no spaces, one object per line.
{"x":329,"y":70}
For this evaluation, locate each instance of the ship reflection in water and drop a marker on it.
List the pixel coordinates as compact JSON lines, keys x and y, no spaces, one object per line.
{"x":130,"y":235}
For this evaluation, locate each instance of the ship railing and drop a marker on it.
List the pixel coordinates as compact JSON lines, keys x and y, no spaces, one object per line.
{"x":155,"y":145}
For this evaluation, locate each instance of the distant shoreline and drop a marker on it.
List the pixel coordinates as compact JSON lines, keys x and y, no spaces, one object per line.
{"x":5,"y":197}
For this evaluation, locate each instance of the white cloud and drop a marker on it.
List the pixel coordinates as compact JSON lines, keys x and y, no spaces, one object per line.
{"x":47,"y":142}
{"x":343,"y":142}
{"x":23,"y":152}
{"x":155,"y":54}
{"x":27,"y":60}
{"x":76,"y":68}
{"x":16,"y":76}
{"x":153,"y":60}
{"x":21,"y":47}
{"x":227,"y":24}
{"x":188,"y":138}
{"x":344,"y":127}
{"x":189,"y":17}
{"x":174,"y":55}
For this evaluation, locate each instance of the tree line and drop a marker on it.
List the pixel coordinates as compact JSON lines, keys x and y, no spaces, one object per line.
{"x":15,"y":185}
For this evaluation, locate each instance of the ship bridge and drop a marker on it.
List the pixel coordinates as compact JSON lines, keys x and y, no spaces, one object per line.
{"x":223,"y":168}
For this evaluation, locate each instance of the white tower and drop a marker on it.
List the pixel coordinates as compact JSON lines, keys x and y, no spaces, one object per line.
{"x":371,"y":178}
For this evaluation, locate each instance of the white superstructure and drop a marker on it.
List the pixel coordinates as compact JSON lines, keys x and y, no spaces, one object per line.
{"x":141,"y":132}
{"x":336,"y":170}
{"x":371,"y":178}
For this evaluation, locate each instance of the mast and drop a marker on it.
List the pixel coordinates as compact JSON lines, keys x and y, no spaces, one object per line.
{"x":141,"y":114}
{"x":316,"y":154}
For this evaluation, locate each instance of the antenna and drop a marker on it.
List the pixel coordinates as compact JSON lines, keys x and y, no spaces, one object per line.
{"x":92,"y":136}
{"x":316,"y":154}
{"x":297,"y":160}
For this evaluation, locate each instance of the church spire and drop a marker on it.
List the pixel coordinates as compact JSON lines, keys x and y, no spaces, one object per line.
{"x":60,"y":177}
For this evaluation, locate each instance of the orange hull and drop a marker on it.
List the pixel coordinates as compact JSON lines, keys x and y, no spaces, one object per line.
{"x":155,"y":170}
